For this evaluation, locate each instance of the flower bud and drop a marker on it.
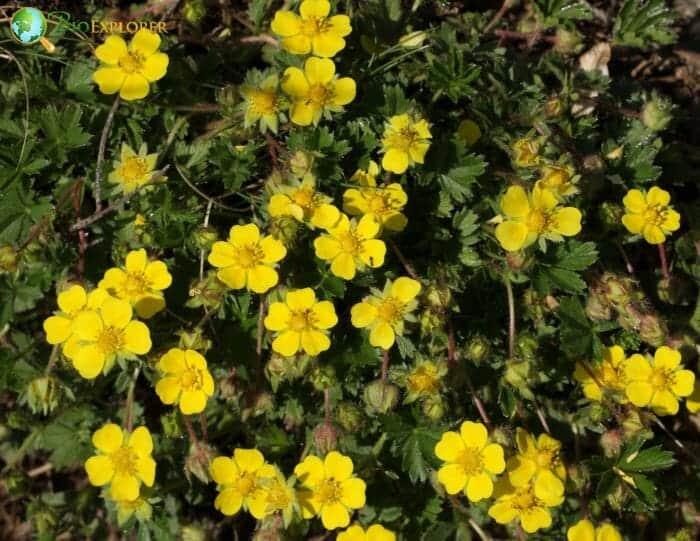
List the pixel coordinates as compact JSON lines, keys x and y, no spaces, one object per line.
{"x":518,"y":374}
{"x":207,"y":292}
{"x":578,"y":475}
{"x":656,"y":114}
{"x":198,"y":460}
{"x":617,"y":499}
{"x":478,"y":349}
{"x":325,"y":438}
{"x":323,"y":377}
{"x":9,"y":259}
{"x":526,"y":347}
{"x":170,"y":424}
{"x":611,"y":215}
{"x":204,"y":237}
{"x":567,"y":41}
{"x":433,"y":407}
{"x":42,"y":395}
{"x":381,"y":397}
{"x":675,"y":290}
{"x":616,"y":290}
{"x":193,"y":532}
{"x":349,"y":417}
{"x":519,"y":261}
{"x":652,"y":330}
{"x":502,"y":436}
{"x":413,"y":39}
{"x":194,"y":11}
{"x":611,"y":442}
{"x":257,"y":404}
{"x":430,"y":320}
{"x":597,"y":309}
{"x":469,"y":131}
{"x":437,"y":297}
{"x":553,"y":107}
{"x":193,"y":339}
{"x":285,"y":229}
{"x":680,"y":535}
{"x":300,"y":163}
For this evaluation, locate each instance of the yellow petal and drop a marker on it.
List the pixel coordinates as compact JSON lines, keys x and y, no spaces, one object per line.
{"x":633,"y":222}
{"x":287,"y":343}
{"x":395,"y":160}
{"x":229,"y":502}
{"x":277,"y":318}
{"x":667,"y":358}
{"x":108,"y":438}
{"x":314,"y":9}
{"x":233,"y":277}
{"x":353,"y":533}
{"x":157,"y":275}
{"x":149,"y":305}
{"x":479,"y":487}
{"x":339,"y":25}
{"x":664,"y":403}
{"x":294,"y":83}
{"x":111,"y":50}
{"x":173,"y":361}
{"x":297,"y":44}
{"x":88,"y":361}
{"x":515,"y":203}
{"x":636,"y":367}
{"x":327,"y":44}
{"x":382,"y":336}
{"x":453,"y":478}
{"x":325,"y":216}
{"x":353,"y":493}
{"x":535,"y":519}
{"x":141,"y":442}
{"x":310,"y":471}
{"x":672,"y":222}
{"x":137,"y":338}
{"x":168,"y":389}
{"x":110,"y":80}
{"x":155,"y":67}
{"x":373,"y":253}
{"x":334,"y":515}
{"x":344,"y":91}
{"x":145,"y":42}
{"x":683,"y":383}
{"x":657,"y":196}
{"x":262,"y":278}
{"x":304,"y":114}
{"x":568,"y":221}
{"x":325,"y":315}
{"x":248,"y":460}
{"x":222,"y":255}
{"x":72,"y":300}
{"x":273,"y":250}
{"x":511,"y":235}
{"x":474,"y":434}
{"x":279,"y":205}
{"x":608,"y":532}
{"x":135,"y":87}
{"x":363,"y":314}
{"x":418,"y":150}
{"x":319,"y":70}
{"x":583,"y":530}
{"x":639,"y":393}
{"x":192,"y":401}
{"x":286,"y":23}
{"x":492,"y":458}
{"x":344,"y":266}
{"x":223,"y":470}
{"x":146,"y":470}
{"x":57,"y":329}
{"x":450,"y":447}
{"x":548,"y":486}
{"x":116,"y":313}
{"x":502,"y":512}
{"x":300,"y":299}
{"x":368,"y":227}
{"x":405,"y":289}
{"x":314,"y":342}
{"x":520,"y":470}
{"x":338,"y":466}
{"x":635,"y":201}
{"x":99,"y":469}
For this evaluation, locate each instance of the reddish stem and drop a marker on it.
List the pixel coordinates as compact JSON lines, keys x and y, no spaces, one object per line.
{"x":203,"y":426}
{"x":272,"y":147}
{"x":327,"y":407}
{"x":81,"y":232}
{"x":258,"y":346}
{"x":385,"y":365}
{"x":664,"y":262}
{"x":190,"y":431}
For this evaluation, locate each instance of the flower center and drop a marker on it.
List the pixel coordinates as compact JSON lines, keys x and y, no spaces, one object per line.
{"x":110,"y":340}
{"x":539,"y":221}
{"x":655,"y":215}
{"x":303,"y":198}
{"x":313,"y":26}
{"x":301,"y":321}
{"x":660,"y":379}
{"x":134,"y":169}
{"x":470,"y":460}
{"x":377,"y":203}
{"x":403,"y":139}
{"x":263,"y":102}
{"x":424,"y":380}
{"x":131,"y":62}
{"x":390,"y":310}
{"x":278,"y":496}
{"x":349,"y":243}
{"x":124,"y":461}
{"x":191,"y":379}
{"x":249,"y":256}
{"x":329,"y":491}
{"x":135,"y":284}
{"x":524,"y":499}
{"x":318,"y":95}
{"x":246,"y":483}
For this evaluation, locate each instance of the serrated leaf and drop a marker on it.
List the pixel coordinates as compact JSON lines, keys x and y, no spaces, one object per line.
{"x":578,"y":338}
{"x":652,"y":459}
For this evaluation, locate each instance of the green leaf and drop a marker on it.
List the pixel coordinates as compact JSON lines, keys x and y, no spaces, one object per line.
{"x":556,"y":270}
{"x":652,"y":459}
{"x":641,"y":23}
{"x":457,"y":181}
{"x":578,"y":337}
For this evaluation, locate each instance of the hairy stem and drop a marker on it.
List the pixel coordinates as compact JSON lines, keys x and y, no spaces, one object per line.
{"x":191,"y":433}
{"x":385,"y":365}
{"x":511,"y":318}
{"x":97,"y":190}
{"x":129,"y":418}
{"x":664,"y":262}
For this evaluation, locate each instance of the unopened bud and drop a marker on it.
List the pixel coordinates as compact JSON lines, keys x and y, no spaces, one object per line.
{"x":611,"y":215}
{"x":502,"y":437}
{"x":197,"y":462}
{"x":9,"y":259}
{"x":478,"y":349}
{"x":204,"y":237}
{"x":611,"y":442}
{"x":192,"y":532}
{"x":325,"y":438}
{"x":553,"y":107}
{"x":323,"y":377}
{"x":349,"y":417}
{"x":597,"y":309}
{"x":300,"y":163}
{"x":469,"y":131}
{"x":567,"y":41}
{"x":381,"y":397}
{"x":194,"y":11}
{"x":413,"y":39}
{"x":526,"y":346}
{"x":518,"y":374}
{"x":285,"y":229}
{"x":194,"y":339}
{"x":656,"y":114}
{"x":519,"y":261}
{"x":433,"y":408}
{"x":652,"y":330}
{"x":42,"y":395}
{"x":578,"y":475}
{"x":207,"y":292}
{"x":675,"y":290}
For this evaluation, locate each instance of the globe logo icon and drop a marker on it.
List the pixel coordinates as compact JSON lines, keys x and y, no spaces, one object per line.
{"x":28,"y":25}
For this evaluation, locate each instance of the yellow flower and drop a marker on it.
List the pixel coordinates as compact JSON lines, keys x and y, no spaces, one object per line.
{"x":375,"y":532}
{"x":384,"y":203}
{"x":246,"y":260}
{"x":279,"y":496}
{"x":304,"y":203}
{"x":584,"y":530}
{"x":384,"y":312}
{"x":469,"y":131}
{"x":312,"y":32}
{"x":301,"y":322}
{"x":133,"y":170}
{"x":71,"y":303}
{"x":102,"y":335}
{"x":139,"y":506}
{"x":240,"y":482}
{"x":329,"y":490}
{"x":350,"y":246}
{"x":367,"y":177}
{"x":523,"y":504}
{"x":526,"y":152}
{"x":316,"y":90}
{"x":608,"y":372}
{"x":130,"y":70}
{"x":424,"y":380}
{"x":558,"y":179}
{"x":692,"y":402}
{"x":470,"y":461}
{"x":658,"y":383}
{"x":140,"y":283}
{"x":531,"y":217}
{"x":650,"y":214}
{"x":405,"y":142}
{"x":186,"y":380}
{"x":139,"y":220}
{"x":262,"y":103}
{"x":537,"y":463}
{"x":123,"y":460}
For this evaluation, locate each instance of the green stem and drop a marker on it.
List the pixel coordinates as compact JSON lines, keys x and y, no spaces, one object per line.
{"x":129,"y":417}
{"x":511,"y":318}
